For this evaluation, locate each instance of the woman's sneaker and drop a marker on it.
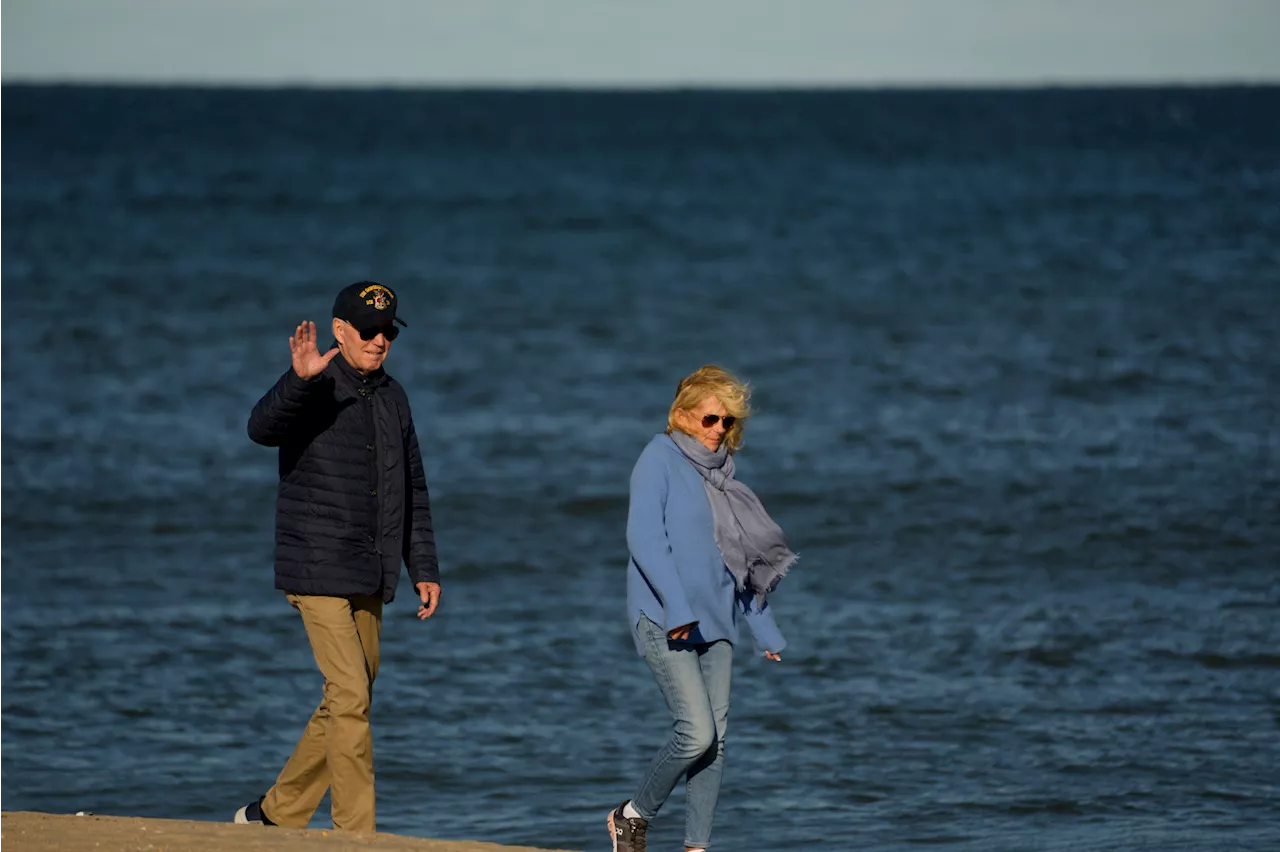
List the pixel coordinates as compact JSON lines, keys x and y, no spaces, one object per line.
{"x":627,"y":833}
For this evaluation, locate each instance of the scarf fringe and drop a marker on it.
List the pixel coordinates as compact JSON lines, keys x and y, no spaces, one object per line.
{"x":779,"y":576}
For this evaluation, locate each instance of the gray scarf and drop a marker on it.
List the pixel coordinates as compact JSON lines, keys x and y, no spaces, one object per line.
{"x":754,"y":548}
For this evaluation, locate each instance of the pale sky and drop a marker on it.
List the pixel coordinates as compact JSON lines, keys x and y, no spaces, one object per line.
{"x":642,"y":42}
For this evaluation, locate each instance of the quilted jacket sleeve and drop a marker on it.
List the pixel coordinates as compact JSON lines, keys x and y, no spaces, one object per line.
{"x":420,"y":557}
{"x":283,"y":409}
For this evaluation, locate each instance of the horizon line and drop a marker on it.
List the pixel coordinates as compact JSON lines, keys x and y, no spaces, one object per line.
{"x":617,"y":87}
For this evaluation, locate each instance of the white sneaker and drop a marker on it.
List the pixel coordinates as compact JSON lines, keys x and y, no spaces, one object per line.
{"x":251,"y":814}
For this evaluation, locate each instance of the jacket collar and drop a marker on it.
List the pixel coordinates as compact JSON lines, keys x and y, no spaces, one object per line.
{"x":351,"y":376}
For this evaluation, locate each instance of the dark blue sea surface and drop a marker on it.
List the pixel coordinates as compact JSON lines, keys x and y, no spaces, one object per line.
{"x":1017,"y":378}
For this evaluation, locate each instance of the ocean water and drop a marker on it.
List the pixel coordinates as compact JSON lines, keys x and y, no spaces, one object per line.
{"x":1016,"y":375}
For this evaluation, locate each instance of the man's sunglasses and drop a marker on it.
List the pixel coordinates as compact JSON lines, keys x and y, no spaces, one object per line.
{"x":390,"y":332}
{"x":709,"y":420}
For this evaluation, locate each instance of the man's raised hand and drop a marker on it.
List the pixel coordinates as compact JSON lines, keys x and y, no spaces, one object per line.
{"x":307,"y":360}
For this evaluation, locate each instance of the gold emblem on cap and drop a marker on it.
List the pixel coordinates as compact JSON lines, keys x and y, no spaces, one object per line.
{"x":381,"y":299}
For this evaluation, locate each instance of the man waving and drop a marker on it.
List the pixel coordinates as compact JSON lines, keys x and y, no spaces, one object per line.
{"x":351,"y":506}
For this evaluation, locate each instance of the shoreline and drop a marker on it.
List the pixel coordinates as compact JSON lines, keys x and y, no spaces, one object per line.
{"x":33,"y":831}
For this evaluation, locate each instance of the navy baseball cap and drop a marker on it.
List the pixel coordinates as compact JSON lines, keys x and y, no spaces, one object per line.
{"x":367,"y":304}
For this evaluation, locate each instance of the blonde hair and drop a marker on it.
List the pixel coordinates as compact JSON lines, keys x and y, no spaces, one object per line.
{"x":711,"y":380}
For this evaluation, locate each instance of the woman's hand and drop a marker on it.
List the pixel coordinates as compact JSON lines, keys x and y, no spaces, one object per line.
{"x":773,"y":655}
{"x":682,"y":633}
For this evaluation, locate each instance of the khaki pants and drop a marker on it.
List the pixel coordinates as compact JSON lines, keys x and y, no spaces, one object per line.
{"x":336,"y":748}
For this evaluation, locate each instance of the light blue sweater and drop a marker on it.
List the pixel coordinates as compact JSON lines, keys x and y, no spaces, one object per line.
{"x":676,"y":574}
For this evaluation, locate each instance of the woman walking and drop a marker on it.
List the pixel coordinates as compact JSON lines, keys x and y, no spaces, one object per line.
{"x":704,"y":557}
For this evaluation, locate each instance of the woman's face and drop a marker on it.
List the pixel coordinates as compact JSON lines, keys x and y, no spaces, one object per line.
{"x":696,"y":422}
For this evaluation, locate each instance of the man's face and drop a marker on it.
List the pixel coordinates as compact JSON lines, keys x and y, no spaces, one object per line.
{"x":365,"y":351}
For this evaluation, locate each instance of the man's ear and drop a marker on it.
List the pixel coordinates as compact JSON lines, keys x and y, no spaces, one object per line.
{"x":337,"y":324}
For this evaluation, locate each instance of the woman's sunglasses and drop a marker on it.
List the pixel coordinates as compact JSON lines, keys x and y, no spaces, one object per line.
{"x":709,"y":420}
{"x":390,"y":332}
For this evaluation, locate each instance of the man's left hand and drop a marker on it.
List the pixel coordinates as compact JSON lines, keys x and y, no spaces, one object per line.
{"x":430,"y":595}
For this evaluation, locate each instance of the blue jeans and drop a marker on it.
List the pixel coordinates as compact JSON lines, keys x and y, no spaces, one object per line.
{"x":694,"y":679}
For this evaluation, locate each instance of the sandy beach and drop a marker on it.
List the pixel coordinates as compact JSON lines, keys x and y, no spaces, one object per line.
{"x":26,"y":831}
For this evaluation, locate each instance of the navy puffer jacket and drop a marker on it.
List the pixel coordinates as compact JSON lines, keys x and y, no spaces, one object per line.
{"x":352,"y":501}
